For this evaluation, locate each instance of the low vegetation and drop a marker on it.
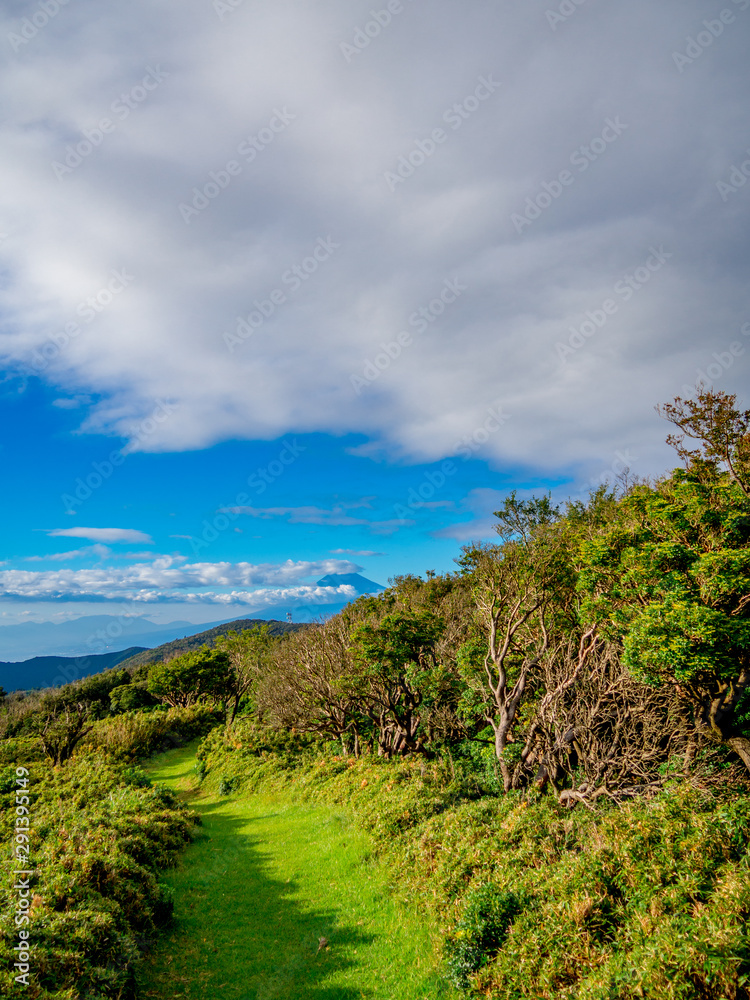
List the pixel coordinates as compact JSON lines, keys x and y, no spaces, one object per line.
{"x":100,"y":837}
{"x":535,"y":900}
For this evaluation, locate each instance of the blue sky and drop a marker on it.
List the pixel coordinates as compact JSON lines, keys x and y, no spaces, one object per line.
{"x":287,"y":292}
{"x":315,"y":503}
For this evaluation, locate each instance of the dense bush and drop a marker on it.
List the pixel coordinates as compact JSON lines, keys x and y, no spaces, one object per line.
{"x":480,"y":932}
{"x":137,"y":734}
{"x":100,"y":835}
{"x":20,"y":751}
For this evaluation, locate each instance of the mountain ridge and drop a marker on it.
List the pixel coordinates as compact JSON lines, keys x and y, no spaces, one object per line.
{"x":54,"y":671}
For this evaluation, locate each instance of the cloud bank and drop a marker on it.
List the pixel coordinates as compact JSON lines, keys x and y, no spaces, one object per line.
{"x":170,"y":579}
{"x":282,"y":217}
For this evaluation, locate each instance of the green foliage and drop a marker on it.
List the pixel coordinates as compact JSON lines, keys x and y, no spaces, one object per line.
{"x":128,"y":697}
{"x":135,"y":735}
{"x":476,"y":759}
{"x":192,"y":677}
{"x":668,"y":577}
{"x":538,"y":903}
{"x":247,"y":654}
{"x":230,"y":752}
{"x":20,"y":751}
{"x":398,"y":642}
{"x":680,"y":640}
{"x":226,"y":785}
{"x":100,"y":836}
{"x":480,"y":932}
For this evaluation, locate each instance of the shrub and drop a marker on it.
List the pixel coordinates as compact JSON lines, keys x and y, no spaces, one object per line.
{"x":538,"y":902}
{"x":479,"y":934}
{"x":226,"y":785}
{"x":135,"y":735}
{"x":100,"y":836}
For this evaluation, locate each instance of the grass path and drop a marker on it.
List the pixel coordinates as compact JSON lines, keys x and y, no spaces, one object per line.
{"x":263,"y":881}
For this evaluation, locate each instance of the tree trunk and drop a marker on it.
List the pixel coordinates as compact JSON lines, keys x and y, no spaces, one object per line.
{"x":741,"y":746}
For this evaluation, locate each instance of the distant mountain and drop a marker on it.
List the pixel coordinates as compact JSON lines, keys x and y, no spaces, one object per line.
{"x":155,"y":642}
{"x":82,"y":636}
{"x":314,"y":612}
{"x":208,"y":638}
{"x":54,"y":671}
{"x":93,"y":635}
{"x":360,"y":583}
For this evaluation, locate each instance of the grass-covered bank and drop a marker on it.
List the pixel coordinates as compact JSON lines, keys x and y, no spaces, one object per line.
{"x":268,"y":876}
{"x":535,"y":901}
{"x":99,"y":839}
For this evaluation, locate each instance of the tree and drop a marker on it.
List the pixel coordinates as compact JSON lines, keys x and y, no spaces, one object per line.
{"x":672,"y":573}
{"x":200,"y":675}
{"x":247,"y":654}
{"x":306,"y":685}
{"x":516,"y":584}
{"x":722,"y":430}
{"x":61,"y":723}
{"x":127,"y":697}
{"x":397,"y":675}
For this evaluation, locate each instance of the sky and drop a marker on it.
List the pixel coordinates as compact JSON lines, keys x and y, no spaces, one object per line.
{"x":294,"y":289}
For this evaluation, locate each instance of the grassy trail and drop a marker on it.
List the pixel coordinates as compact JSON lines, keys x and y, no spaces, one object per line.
{"x":264,"y":880}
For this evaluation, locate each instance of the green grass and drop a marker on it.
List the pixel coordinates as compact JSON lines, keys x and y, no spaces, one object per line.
{"x":264,"y":880}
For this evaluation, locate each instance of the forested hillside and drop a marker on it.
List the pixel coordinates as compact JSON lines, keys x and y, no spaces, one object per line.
{"x":550,"y":746}
{"x":208,"y":638}
{"x":41,"y":671}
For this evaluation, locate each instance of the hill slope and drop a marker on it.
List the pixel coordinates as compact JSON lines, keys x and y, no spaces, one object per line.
{"x":208,"y":638}
{"x":102,"y":633}
{"x":53,"y":671}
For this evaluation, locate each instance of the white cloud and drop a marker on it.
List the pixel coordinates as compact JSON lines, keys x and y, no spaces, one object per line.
{"x":102,"y":534}
{"x":100,"y":551}
{"x":169,"y":579}
{"x":159,"y":337}
{"x":334,"y":517}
